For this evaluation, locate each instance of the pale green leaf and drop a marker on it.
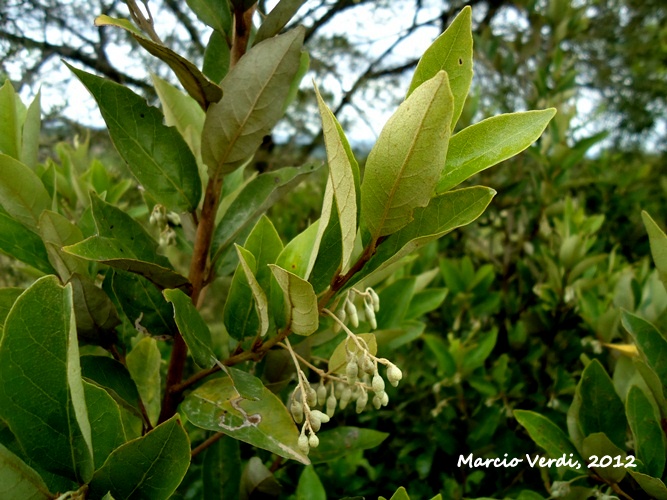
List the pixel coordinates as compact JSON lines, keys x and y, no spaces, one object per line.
{"x":489,"y":142}
{"x":10,"y":121}
{"x":19,"y":242}
{"x":151,"y":466}
{"x":42,"y":396}
{"x":340,"y":181}
{"x":22,"y":193}
{"x":600,"y":445}
{"x":296,"y":257}
{"x":254,"y":93}
{"x":264,"y":423}
{"x":548,"y":436}
{"x":403,"y":167}
{"x":277,"y":19}
{"x":31,"y":133}
{"x":193,"y":328}
{"x":258,"y":294}
{"x":338,"y":359}
{"x":400,"y":494}
{"x":156,"y":155}
{"x":19,"y":481}
{"x":56,"y":232}
{"x":658,"y":241}
{"x":451,"y":52}
{"x":651,"y":485}
{"x":143,"y":362}
{"x":301,"y":312}
{"x":104,"y":415}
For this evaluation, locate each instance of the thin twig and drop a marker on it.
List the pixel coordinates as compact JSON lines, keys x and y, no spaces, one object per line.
{"x":208,"y":442}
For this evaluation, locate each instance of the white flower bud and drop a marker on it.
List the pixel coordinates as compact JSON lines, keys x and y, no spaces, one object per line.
{"x":303,"y":443}
{"x":378,"y":383}
{"x":315,"y":423}
{"x":374,"y":298}
{"x":352,"y":313}
{"x":313,"y":441}
{"x":394,"y":374}
{"x":311,"y":397}
{"x":385,"y":399}
{"x":377,"y":402}
{"x":321,"y":394}
{"x":370,"y":315}
{"x":297,"y":411}
{"x":345,"y":397}
{"x":352,"y":370}
{"x":323,"y":418}
{"x":362,"y":400}
{"x":331,"y":405}
{"x":340,"y":387}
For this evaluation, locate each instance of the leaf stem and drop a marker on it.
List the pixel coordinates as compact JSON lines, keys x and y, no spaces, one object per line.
{"x":208,"y":442}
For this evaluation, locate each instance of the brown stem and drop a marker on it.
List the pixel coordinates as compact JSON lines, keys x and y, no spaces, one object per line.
{"x":242,"y":28}
{"x":209,"y":441}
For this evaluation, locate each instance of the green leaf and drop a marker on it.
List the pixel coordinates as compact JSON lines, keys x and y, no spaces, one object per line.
{"x":310,"y":487}
{"x":114,"y":378}
{"x":650,"y":343}
{"x":265,"y":245}
{"x":658,"y":241}
{"x":394,"y":302}
{"x":22,"y":193}
{"x":489,"y":142}
{"x":254,"y":92}
{"x":601,"y":408}
{"x":19,"y":242}
{"x":445,"y":360}
{"x":600,"y":445}
{"x":95,"y":314}
{"x":221,"y":470}
{"x":301,"y":312}
{"x":548,"y":436}
{"x":143,"y":363}
{"x":477,"y":352}
{"x":151,"y":466}
{"x":142,"y":303}
{"x":443,"y":214}
{"x":341,"y":182}
{"x":156,"y":154}
{"x":10,"y":121}
{"x":650,"y":446}
{"x":403,"y":167}
{"x":255,"y":198}
{"x":104,"y":415}
{"x":258,"y":294}
{"x":181,"y":111}
{"x":400,"y":494}
{"x":297,"y":256}
{"x":342,"y":441}
{"x":257,"y":480}
{"x":213,"y":13}
{"x":425,"y":301}
{"x":31,"y":133}
{"x":264,"y":423}
{"x":56,"y":232}
{"x":651,"y":485}
{"x":7,"y":298}
{"x":123,"y":243}
{"x":216,"y":56}
{"x":39,"y":364}
{"x":653,"y":383}
{"x":18,"y":481}
{"x":193,"y":328}
{"x":194,"y":82}
{"x":452,"y":52}
{"x":338,"y":358}
{"x":277,"y":19}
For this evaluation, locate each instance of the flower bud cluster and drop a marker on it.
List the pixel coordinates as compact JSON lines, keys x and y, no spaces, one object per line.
{"x":349,"y":311}
{"x":165,"y":221}
{"x":302,"y":409}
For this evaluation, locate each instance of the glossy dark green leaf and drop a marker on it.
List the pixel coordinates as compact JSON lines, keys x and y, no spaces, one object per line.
{"x":601,"y":408}
{"x":264,"y":423}
{"x":39,"y":367}
{"x":443,"y":214}
{"x":341,"y":441}
{"x":650,"y":343}
{"x":18,"y":480}
{"x":149,"y":467}
{"x":489,"y":142}
{"x":310,"y":487}
{"x":143,"y":363}
{"x":278,"y":18}
{"x":193,"y":328}
{"x":651,"y":485}
{"x":404,"y":165}
{"x":56,"y":232}
{"x":19,"y":242}
{"x":600,"y":445}
{"x":255,"y":198}
{"x":95,"y":314}
{"x":221,"y":470}
{"x":254,"y":92}
{"x":113,"y":377}
{"x":650,"y":446}
{"x":142,"y":303}
{"x":548,"y":436}
{"x":301,"y":311}
{"x":105,"y":420}
{"x":156,"y":154}
{"x":658,"y":241}
{"x":452,"y":52}
{"x":22,"y":194}
{"x":7,"y":298}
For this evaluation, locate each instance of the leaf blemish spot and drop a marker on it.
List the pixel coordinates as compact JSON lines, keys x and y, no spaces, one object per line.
{"x":460,"y":62}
